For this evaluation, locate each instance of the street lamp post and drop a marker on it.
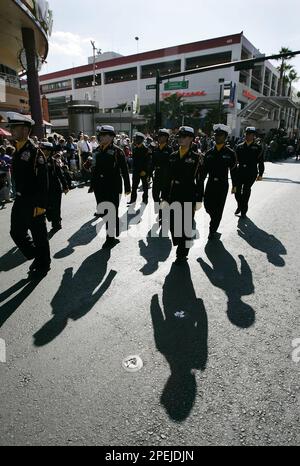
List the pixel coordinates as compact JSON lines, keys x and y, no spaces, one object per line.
{"x":137,"y":44}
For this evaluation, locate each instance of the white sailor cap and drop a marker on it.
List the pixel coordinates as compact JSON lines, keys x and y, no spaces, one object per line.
{"x":139,"y":135}
{"x":218,"y":127}
{"x":163,"y":132}
{"x":15,"y":118}
{"x":186,"y":131}
{"x":106,"y":129}
{"x":250,"y":129}
{"x":46,"y":145}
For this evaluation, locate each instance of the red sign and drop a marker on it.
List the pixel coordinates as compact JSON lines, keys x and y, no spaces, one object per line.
{"x":249,"y":95}
{"x":184,"y":94}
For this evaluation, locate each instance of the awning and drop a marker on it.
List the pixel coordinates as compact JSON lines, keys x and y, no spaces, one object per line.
{"x":259,"y":108}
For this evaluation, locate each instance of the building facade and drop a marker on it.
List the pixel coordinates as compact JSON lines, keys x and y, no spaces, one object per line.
{"x":120,"y":79}
{"x":24,"y":29}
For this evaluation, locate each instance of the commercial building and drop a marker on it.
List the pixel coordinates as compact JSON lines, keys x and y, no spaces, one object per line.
{"x":24,"y":29}
{"x":114,"y":80}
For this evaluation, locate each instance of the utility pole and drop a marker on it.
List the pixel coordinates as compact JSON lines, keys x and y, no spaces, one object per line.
{"x":94,"y":69}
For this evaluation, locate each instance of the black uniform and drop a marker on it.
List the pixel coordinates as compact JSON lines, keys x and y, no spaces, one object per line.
{"x":250,"y":164}
{"x":216,"y":165}
{"x":57,"y":184}
{"x":141,"y":162}
{"x":31,"y":179}
{"x":183,"y":187}
{"x":108,"y":168}
{"x":160,"y":168}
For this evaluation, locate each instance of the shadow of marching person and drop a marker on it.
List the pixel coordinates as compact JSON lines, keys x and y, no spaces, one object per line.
{"x":263,"y":241}
{"x":77,"y":295}
{"x":7,"y":309}
{"x":224,"y":274}
{"x":155,"y":248}
{"x":82,"y":237}
{"x":180,"y":333}
{"x":12,"y":259}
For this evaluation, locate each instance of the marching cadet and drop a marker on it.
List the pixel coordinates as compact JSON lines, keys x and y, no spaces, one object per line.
{"x":160,"y":167}
{"x":217,"y":162}
{"x":141,"y":165}
{"x":250,"y":168}
{"x":28,"y":211}
{"x":57,"y":185}
{"x":108,"y":168}
{"x":183,"y":188}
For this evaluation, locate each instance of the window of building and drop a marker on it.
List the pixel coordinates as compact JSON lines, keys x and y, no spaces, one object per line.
{"x":118,"y":76}
{"x":243,"y":77}
{"x":6,"y":70}
{"x":57,"y":86}
{"x":267,"y":77}
{"x":58,"y":107}
{"x":207,"y":60}
{"x":256,"y":82}
{"x":274,"y":82}
{"x":266,"y":91}
{"x":149,"y":71}
{"x":87,"y":81}
{"x":245,"y":54}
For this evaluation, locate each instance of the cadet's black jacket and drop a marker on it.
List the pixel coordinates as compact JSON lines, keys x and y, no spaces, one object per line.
{"x":249,"y":157}
{"x":182,"y":183}
{"x":216,"y":165}
{"x":108,"y":168}
{"x":161,"y":162}
{"x":31,"y":175}
{"x":141,"y":159}
{"x":57,"y":180}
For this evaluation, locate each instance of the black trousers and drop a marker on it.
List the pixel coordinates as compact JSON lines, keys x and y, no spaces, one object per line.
{"x":53,"y":213}
{"x":214,"y":202}
{"x":113,"y":224}
{"x":181,"y":228}
{"x":156,"y":194}
{"x":243,"y":192}
{"x":22,"y":221}
{"x":136,"y":178}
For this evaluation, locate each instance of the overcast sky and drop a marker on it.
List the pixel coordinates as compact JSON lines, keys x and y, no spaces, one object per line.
{"x":114,"y":24}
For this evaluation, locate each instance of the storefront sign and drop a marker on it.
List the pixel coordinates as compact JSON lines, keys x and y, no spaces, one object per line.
{"x":249,"y":95}
{"x":184,"y":94}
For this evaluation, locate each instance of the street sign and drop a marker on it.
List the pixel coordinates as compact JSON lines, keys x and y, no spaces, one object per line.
{"x":150,"y":86}
{"x":173,"y":85}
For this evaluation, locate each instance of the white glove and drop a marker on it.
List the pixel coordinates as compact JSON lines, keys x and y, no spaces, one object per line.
{"x":198,"y":205}
{"x":164,"y":204}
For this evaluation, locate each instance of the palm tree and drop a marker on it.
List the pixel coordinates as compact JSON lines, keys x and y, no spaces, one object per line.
{"x":292,"y":77}
{"x":282,"y":68}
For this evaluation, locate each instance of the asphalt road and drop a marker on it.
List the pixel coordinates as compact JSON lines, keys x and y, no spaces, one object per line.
{"x":220,"y":373}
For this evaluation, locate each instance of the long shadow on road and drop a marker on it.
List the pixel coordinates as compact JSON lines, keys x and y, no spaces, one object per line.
{"x":13,"y":258}
{"x":180,"y":332}
{"x":7,"y":309}
{"x":77,"y":294}
{"x":155,"y":248}
{"x":263,"y":241}
{"x":224,"y":274}
{"x":82,"y":237}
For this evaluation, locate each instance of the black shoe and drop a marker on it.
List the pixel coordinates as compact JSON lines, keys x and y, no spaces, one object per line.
{"x":97,"y":215}
{"x":110,"y":243}
{"x":33,"y":266}
{"x":238,"y":211}
{"x":214,"y":235}
{"x":181,"y":260}
{"x":56,"y":226}
{"x":38,"y":272}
